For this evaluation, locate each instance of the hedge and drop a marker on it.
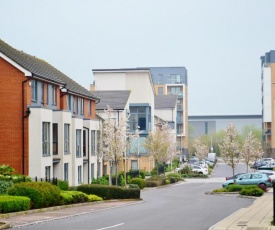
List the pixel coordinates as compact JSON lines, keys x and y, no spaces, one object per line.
{"x":140,"y":182}
{"x":108,"y":192}
{"x":14,"y":204}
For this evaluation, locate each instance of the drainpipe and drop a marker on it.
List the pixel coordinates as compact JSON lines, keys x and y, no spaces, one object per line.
{"x":88,"y":131}
{"x":27,"y":112}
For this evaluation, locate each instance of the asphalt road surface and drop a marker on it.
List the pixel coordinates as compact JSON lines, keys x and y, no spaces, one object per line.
{"x":182,"y":206}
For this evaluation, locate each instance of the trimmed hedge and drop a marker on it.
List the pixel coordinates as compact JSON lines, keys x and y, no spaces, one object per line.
{"x":63,"y":185}
{"x":254,"y":191}
{"x":14,"y":204}
{"x":108,"y":192}
{"x":42,"y":194}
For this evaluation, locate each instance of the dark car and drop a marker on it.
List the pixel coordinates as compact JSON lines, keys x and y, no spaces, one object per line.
{"x":234,"y":177}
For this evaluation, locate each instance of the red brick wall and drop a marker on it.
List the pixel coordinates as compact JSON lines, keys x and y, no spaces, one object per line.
{"x":11,"y":117}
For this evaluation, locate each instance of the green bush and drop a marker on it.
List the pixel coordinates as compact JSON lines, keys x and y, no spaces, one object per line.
{"x":70,"y":197}
{"x":234,"y":188}
{"x":220,"y":190}
{"x":251,"y":191}
{"x":15,"y":178}
{"x":133,"y":186}
{"x":42,"y":194}
{"x":140,"y":182}
{"x":63,"y":185}
{"x":194,"y":175}
{"x":92,"y":198}
{"x":14,"y":204}
{"x":100,"y":180}
{"x":109,"y":192}
{"x":186,"y":170}
{"x":4,"y":185}
{"x":142,"y":173}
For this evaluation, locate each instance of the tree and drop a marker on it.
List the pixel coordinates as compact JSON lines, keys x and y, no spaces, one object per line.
{"x":230,"y":147}
{"x":116,"y":139}
{"x":252,"y":149}
{"x":201,"y":149}
{"x":161,"y":144}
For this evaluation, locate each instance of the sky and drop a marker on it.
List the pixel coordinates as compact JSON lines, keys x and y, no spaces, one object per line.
{"x":219,"y":42}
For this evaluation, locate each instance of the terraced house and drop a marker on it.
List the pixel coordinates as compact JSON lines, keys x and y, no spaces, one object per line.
{"x":48,"y":123}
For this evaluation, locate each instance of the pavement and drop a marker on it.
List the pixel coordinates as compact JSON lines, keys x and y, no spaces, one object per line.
{"x":257,"y":216}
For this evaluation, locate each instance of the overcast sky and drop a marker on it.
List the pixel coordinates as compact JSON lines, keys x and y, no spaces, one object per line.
{"x":219,"y":42}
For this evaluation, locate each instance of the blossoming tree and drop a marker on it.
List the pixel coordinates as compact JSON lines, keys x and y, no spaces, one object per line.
{"x":201,"y":149}
{"x":251,"y":150}
{"x":230,"y":147}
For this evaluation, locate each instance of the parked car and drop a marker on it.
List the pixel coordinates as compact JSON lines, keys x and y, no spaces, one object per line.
{"x":269,"y":173}
{"x":268,"y":165}
{"x":199,"y":169}
{"x":258,"y":164}
{"x":250,"y":179}
{"x":210,"y":163}
{"x":234,"y":177}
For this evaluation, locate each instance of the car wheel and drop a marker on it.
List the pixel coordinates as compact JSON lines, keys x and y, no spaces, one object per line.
{"x":200,"y":172}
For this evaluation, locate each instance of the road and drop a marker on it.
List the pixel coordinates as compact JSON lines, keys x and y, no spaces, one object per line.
{"x":182,"y":206}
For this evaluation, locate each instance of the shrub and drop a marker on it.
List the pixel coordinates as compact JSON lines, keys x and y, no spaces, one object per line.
{"x":100,"y":180}
{"x":4,"y":185}
{"x":133,"y":186}
{"x":140,"y":182}
{"x":186,"y":170}
{"x":14,"y":204}
{"x":109,"y":192}
{"x":252,"y":191}
{"x":150,"y":183}
{"x":142,"y":173}
{"x":234,"y":188}
{"x":92,"y":198}
{"x":15,"y":178}
{"x":70,"y":197}
{"x":42,"y":194}
{"x":63,"y":185}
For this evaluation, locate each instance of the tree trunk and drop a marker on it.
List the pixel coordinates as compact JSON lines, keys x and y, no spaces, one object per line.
{"x":110,"y":174}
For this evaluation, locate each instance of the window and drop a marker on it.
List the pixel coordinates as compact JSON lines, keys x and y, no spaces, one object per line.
{"x":160,"y":79}
{"x":34,"y":90}
{"x":42,"y":92}
{"x":53,"y":95}
{"x":76,"y":105}
{"x":78,"y":143}
{"x":179,"y":117}
{"x":175,"y":90}
{"x":69,"y":102}
{"x":45,"y":138}
{"x":89,"y":107}
{"x":138,"y":116}
{"x":66,"y":171}
{"x":93,"y":138}
{"x":160,"y":90}
{"x":174,"y":78}
{"x":81,"y":105}
{"x":84,"y":143}
{"x":55,"y":138}
{"x":47,"y":173}
{"x":179,"y":104}
{"x":66,"y":139}
{"x":79,"y":173}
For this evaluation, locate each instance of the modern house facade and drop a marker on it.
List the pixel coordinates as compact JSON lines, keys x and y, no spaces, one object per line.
{"x":268,"y":99}
{"x":48,"y":125}
{"x":141,"y":107}
{"x":173,"y":81}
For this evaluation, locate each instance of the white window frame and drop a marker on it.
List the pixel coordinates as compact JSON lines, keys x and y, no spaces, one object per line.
{"x":66,"y":138}
{"x":46,"y":138}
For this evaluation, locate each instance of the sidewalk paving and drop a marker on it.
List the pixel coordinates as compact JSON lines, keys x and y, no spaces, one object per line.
{"x":257,"y":216}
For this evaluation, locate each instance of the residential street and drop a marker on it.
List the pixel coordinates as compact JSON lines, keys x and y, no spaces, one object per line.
{"x":180,"y":206}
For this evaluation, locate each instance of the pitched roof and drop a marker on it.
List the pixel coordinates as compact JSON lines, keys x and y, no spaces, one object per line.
{"x":165,"y":101}
{"x":43,"y":70}
{"x":116,"y":99}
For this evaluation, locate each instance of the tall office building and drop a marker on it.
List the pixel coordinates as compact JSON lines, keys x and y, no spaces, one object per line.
{"x":268,"y":99}
{"x":173,"y":80}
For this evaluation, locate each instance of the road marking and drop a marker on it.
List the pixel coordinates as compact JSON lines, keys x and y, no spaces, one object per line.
{"x":113,"y":226}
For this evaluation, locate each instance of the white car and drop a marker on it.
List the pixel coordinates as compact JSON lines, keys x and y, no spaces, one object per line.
{"x":199,"y":169}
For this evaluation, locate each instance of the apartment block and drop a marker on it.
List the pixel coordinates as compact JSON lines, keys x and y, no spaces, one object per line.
{"x":48,"y":121}
{"x":173,"y":81}
{"x":268,"y":100}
